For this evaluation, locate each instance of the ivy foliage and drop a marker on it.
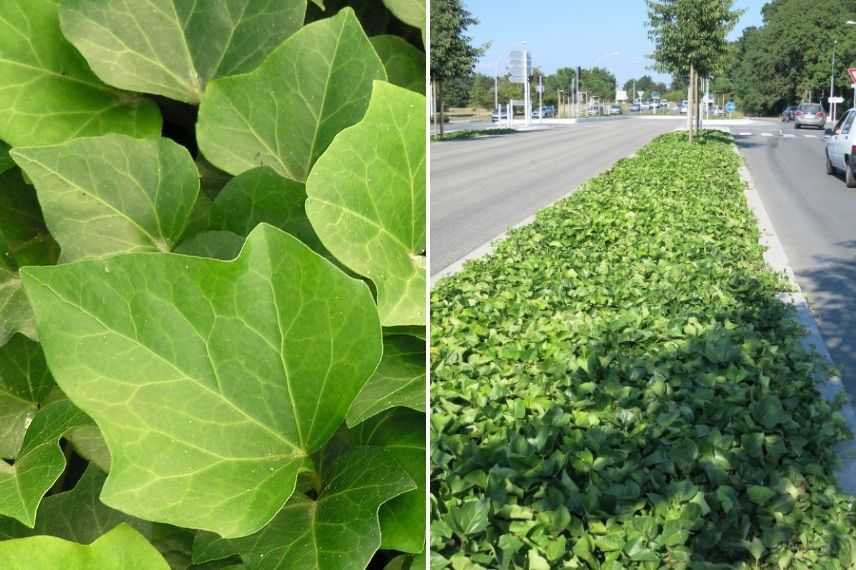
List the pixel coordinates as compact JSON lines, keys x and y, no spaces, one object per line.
{"x":212,"y":258}
{"x":618,"y":386}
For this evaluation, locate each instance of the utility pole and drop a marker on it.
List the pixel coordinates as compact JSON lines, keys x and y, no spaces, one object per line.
{"x":832,"y":81}
{"x":496,"y":86}
{"x":540,"y":98}
{"x":526,"y":105}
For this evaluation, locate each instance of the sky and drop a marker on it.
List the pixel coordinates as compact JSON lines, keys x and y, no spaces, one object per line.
{"x":567,"y":33}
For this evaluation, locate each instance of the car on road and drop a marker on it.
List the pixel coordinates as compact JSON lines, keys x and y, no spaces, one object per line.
{"x":635,"y":108}
{"x":809,"y":115}
{"x":788,"y":114}
{"x":546,"y":112}
{"x":840,"y":144}
{"x":593,"y":111}
{"x":499,"y":115}
{"x":615,"y":109}
{"x":685,"y":107}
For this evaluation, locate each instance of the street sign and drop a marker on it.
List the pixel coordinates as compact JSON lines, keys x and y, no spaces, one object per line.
{"x":620,"y":95}
{"x":539,"y":88}
{"x":835,"y":99}
{"x":852,"y":72}
{"x":516,"y":67}
{"x":640,"y":93}
{"x":655,"y":94}
{"x":729,"y":107}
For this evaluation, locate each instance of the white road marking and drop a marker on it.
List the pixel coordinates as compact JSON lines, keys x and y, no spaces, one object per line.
{"x":810,"y":136}
{"x":766,"y":134}
{"x":789,"y":136}
{"x":744,"y":134}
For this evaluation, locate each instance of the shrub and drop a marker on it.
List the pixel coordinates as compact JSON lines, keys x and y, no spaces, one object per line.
{"x":618,"y":386}
{"x":212,"y":341}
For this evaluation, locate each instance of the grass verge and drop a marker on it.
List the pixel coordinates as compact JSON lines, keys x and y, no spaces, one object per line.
{"x":472,"y":134}
{"x":617,"y":386}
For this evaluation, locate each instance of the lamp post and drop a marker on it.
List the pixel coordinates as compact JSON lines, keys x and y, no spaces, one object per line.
{"x":832,"y":81}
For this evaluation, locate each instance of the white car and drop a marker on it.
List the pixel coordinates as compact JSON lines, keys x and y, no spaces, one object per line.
{"x":840,"y":144}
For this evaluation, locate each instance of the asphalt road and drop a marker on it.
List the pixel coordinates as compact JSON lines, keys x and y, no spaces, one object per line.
{"x":481,"y":187}
{"x":815,"y":217}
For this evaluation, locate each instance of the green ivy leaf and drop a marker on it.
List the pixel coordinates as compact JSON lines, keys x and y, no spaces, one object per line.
{"x":47,"y":92}
{"x":5,"y":161}
{"x":25,"y":383}
{"x":411,"y":12}
{"x":113,"y":193}
{"x":398,"y":381}
{"x":215,"y":244}
{"x":260,"y":196}
{"x":39,"y":463}
{"x":121,"y":548}
{"x":286,"y":112}
{"x":402,"y":433}
{"x":173,"y":48}
{"x":339,"y":529}
{"x":367,"y":201}
{"x":15,"y":312}
{"x":211,"y":410}
{"x":24,"y":238}
{"x":405,"y":65}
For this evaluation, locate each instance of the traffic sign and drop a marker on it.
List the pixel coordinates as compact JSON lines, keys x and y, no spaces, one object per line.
{"x":835,"y":99}
{"x":655,"y":94}
{"x":729,"y":107}
{"x":852,"y":72}
{"x":516,"y":67}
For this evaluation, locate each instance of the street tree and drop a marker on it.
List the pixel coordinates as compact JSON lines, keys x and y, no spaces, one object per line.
{"x":452,"y":53}
{"x":690,"y":37}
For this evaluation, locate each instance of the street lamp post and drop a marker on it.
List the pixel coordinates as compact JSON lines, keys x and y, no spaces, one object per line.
{"x":832,"y":81}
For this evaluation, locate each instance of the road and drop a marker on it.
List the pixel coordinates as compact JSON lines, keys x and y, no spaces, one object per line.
{"x":479,"y":188}
{"x":815,"y":217}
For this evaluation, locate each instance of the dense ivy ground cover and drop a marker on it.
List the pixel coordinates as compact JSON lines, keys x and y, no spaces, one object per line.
{"x":617,"y":386}
{"x":212,"y":284}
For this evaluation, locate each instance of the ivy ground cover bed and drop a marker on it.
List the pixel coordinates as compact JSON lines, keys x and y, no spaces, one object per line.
{"x":212,"y":284}
{"x":617,"y":386}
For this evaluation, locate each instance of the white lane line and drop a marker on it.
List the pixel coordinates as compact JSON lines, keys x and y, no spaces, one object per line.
{"x":789,"y":136}
{"x":810,"y":136}
{"x":744,"y":134}
{"x":766,"y":134}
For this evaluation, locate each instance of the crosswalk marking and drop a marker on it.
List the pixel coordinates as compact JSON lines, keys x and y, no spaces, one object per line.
{"x":789,"y":136}
{"x":766,"y":134}
{"x":810,"y":136}
{"x":745,"y":134}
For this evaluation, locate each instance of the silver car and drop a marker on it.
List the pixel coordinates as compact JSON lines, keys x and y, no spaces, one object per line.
{"x":840,"y":141}
{"x":809,"y":115}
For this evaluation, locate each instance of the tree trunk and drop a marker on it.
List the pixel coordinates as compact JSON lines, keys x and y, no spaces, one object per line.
{"x":440,"y":104}
{"x":690,"y":106}
{"x":699,"y":92}
{"x":434,"y":103}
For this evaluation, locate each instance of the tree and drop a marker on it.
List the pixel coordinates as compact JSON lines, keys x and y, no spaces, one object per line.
{"x":481,"y":91}
{"x":598,"y":82}
{"x":452,"y":54}
{"x":690,"y":38}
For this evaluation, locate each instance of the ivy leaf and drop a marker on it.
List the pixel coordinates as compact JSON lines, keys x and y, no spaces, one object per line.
{"x":405,"y":65}
{"x":113,"y":194}
{"x":47,"y":92}
{"x":367,"y":201}
{"x":402,"y":433}
{"x":260,"y":196}
{"x":173,"y":48}
{"x":411,"y":12}
{"x":214,"y":407}
{"x":15,"y":312}
{"x":214,"y":244}
{"x":89,"y":444}
{"x":286,"y":112}
{"x":398,"y":381}
{"x":24,"y":238}
{"x":123,"y":547}
{"x":339,"y":529}
{"x":39,"y":463}
{"x":25,"y":383}
{"x":5,"y":161}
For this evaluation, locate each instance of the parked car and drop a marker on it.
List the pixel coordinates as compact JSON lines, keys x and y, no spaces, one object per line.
{"x":635,"y":108}
{"x":645,"y":106}
{"x":840,"y":144}
{"x":810,"y":115}
{"x":546,"y":112}
{"x":615,"y":109}
{"x":499,"y":115}
{"x":685,"y":106}
{"x":788,"y":114}
{"x":593,"y":111}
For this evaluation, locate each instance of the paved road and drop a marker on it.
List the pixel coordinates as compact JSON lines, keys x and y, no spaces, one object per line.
{"x":815,"y":217}
{"x":479,"y":188}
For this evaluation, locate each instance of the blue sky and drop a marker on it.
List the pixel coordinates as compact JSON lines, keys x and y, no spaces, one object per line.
{"x":562,"y":33}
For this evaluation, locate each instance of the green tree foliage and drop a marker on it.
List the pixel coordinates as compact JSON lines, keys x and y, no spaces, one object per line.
{"x":598,"y":82}
{"x":452,"y":53}
{"x":646,"y":84}
{"x":789,"y":58}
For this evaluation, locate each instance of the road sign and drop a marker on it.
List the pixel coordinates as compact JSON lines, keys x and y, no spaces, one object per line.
{"x":620,"y":95}
{"x":835,"y":99}
{"x":729,"y":107}
{"x":852,"y":72}
{"x":640,"y":93}
{"x":655,"y":94}
{"x":516,"y":67}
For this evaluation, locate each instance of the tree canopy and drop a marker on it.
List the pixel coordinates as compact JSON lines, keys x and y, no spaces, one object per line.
{"x":452,"y":53}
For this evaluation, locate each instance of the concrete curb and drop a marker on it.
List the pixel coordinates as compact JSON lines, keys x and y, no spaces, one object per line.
{"x":830,"y":388}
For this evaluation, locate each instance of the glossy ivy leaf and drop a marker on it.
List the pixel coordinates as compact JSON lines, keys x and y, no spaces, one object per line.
{"x":260,"y":196}
{"x":48,"y":94}
{"x":89,"y":444}
{"x":24,"y":238}
{"x":6,"y":161}
{"x":339,"y":529}
{"x":208,"y":547}
{"x":123,"y":548}
{"x":405,"y":65}
{"x":286,"y":112}
{"x":39,"y":463}
{"x":25,"y":383}
{"x":401,"y":432}
{"x":173,"y":47}
{"x":398,"y":381}
{"x":211,"y":409}
{"x":15,"y":312}
{"x":411,"y":12}
{"x":367,"y":201}
{"x":214,"y":244}
{"x":112,"y":194}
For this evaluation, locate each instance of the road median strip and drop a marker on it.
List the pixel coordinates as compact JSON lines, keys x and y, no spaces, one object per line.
{"x":620,"y":383}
